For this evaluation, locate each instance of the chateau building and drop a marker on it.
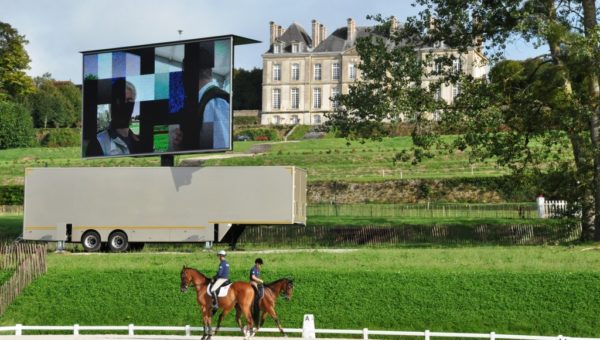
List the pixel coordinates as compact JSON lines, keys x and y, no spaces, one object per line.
{"x":302,"y":74}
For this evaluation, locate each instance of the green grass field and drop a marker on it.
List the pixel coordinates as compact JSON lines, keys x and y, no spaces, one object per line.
{"x":518,"y":290}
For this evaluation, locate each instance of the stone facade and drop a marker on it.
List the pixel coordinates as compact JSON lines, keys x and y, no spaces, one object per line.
{"x":302,"y":73}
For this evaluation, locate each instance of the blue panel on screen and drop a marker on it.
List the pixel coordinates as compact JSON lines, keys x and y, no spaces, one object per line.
{"x":161,"y":86}
{"x":133,"y":65}
{"x":90,"y":66}
{"x":176,"y":94}
{"x":118,"y":65}
{"x":105,"y":66}
{"x":144,"y":86}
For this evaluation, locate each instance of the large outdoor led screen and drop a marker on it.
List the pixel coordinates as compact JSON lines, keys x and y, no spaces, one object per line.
{"x":158,"y":99}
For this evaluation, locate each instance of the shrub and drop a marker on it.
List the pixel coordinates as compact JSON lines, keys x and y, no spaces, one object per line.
{"x":263,"y":133}
{"x":60,"y":137}
{"x":16,"y":126}
{"x":11,"y":195}
{"x":246,"y":120}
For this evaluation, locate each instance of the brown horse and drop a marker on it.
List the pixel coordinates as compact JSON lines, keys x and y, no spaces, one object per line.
{"x":283,"y":287}
{"x":240,"y":295}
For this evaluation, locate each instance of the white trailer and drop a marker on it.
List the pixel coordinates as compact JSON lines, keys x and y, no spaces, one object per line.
{"x":126,"y":207}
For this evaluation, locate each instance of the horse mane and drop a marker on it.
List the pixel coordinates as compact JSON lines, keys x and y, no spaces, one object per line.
{"x":197,"y":271}
{"x":278,"y":281}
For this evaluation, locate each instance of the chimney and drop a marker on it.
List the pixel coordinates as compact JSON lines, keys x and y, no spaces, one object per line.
{"x":351,"y":30}
{"x":316,"y":33}
{"x":272,"y":32}
{"x":280,"y":31}
{"x":323,"y":32}
{"x":393,"y":24}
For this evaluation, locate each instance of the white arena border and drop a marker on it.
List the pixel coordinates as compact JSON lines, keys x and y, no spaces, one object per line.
{"x":306,"y":333}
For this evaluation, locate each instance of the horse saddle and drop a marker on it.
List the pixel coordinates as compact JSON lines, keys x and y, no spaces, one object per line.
{"x":221,"y":291}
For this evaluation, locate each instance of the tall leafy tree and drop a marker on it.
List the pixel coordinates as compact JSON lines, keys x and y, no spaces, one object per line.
{"x":526,"y":115}
{"x":14,"y":60}
{"x":54,"y":104}
{"x":16,"y":127}
{"x":247,"y":85}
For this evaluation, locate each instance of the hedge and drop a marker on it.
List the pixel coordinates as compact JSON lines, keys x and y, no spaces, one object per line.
{"x":11,"y":195}
{"x":59,"y":137}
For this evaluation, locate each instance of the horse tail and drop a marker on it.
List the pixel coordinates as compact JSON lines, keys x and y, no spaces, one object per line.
{"x":256,"y":313}
{"x":255,"y":307}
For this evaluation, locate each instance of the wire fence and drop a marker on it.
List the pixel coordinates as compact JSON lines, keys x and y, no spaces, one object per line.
{"x":349,"y":236}
{"x":20,"y":264}
{"x":428,"y":210}
{"x":11,"y":209}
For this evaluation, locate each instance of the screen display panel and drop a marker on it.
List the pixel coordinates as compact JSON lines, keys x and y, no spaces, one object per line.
{"x":158,"y":99}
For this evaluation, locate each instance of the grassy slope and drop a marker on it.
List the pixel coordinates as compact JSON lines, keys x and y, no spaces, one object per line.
{"x":13,"y":162}
{"x":325,"y":159}
{"x":522,"y":290}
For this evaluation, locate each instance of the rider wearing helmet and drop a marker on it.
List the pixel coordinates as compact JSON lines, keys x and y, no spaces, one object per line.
{"x":255,"y":279}
{"x":221,"y":277}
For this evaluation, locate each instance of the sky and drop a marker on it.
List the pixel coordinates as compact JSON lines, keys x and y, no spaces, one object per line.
{"x":58,"y":30}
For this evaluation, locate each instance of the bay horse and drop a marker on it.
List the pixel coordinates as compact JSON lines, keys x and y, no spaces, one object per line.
{"x":266,"y":304}
{"x":240,"y":295}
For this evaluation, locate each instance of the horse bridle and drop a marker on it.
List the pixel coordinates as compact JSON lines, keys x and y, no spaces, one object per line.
{"x":288,"y":286}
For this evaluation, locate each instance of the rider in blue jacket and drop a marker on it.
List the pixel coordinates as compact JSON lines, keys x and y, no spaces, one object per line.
{"x":221,"y":277}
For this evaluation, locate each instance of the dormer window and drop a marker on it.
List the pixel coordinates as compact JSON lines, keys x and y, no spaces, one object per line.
{"x":295,"y":47}
{"x":276,"y":48}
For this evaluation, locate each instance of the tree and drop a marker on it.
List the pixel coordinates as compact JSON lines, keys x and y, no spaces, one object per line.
{"x":16,"y":128}
{"x":54,"y":104}
{"x":248,"y":89}
{"x":14,"y":60}
{"x":527,"y":115}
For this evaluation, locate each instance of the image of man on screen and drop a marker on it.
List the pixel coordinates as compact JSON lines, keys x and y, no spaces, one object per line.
{"x":117,"y":139}
{"x":211,"y":114}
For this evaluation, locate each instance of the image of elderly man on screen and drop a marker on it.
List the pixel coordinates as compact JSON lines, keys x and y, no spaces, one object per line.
{"x":117,"y":139}
{"x":208,"y":123}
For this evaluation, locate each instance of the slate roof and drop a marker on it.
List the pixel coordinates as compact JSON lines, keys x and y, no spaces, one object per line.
{"x":335,"y":42}
{"x":294,"y":33}
{"x":338,"y":40}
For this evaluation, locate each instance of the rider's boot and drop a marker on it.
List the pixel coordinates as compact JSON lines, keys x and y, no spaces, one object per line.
{"x":215,"y":305}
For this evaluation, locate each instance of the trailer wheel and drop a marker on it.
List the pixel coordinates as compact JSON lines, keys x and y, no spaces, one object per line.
{"x":117,"y":242}
{"x":91,"y":241}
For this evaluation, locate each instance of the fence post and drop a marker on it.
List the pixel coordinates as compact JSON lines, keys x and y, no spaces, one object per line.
{"x":365,"y":333}
{"x":493,"y":336}
{"x":188,"y":331}
{"x":131,"y":333}
{"x":18,"y":329}
{"x":426,"y":334}
{"x":541,"y":206}
{"x":75,"y":329}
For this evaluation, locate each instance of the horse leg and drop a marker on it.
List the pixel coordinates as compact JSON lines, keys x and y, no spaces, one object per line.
{"x":249,"y":321}
{"x":205,"y":323}
{"x":263,"y":317}
{"x":208,"y":323}
{"x":221,"y":316}
{"x":271,"y":312}
{"x":238,"y":314}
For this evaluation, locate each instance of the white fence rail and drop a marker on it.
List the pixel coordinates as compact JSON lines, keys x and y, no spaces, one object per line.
{"x":548,"y":209}
{"x":131,"y":329}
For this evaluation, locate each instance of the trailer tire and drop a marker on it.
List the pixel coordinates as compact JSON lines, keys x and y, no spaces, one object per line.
{"x":91,"y":241}
{"x":117,"y":242}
